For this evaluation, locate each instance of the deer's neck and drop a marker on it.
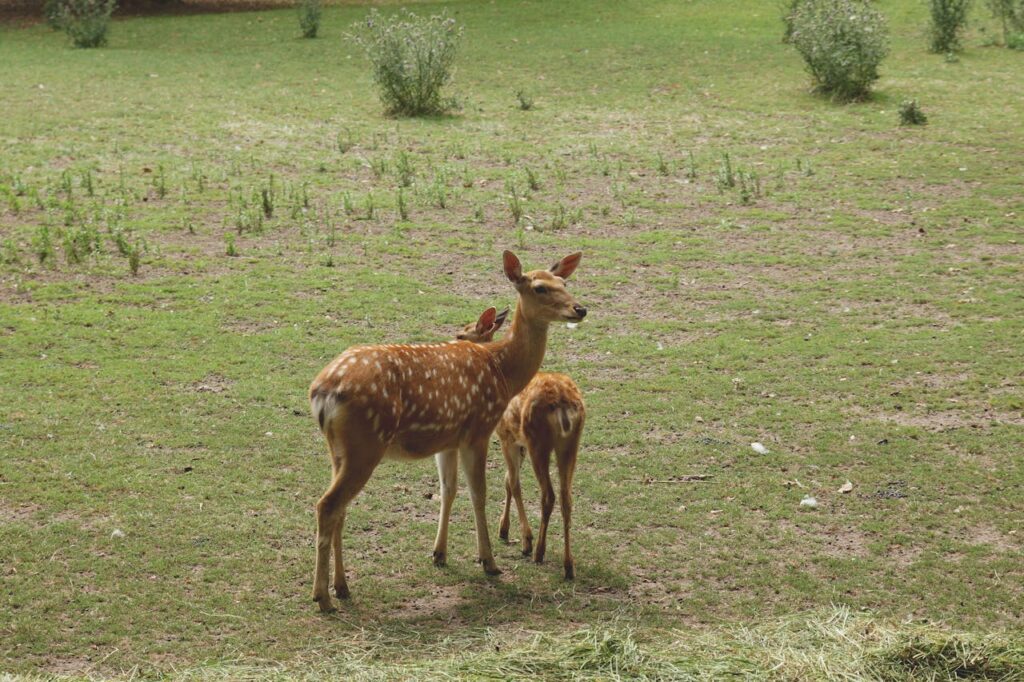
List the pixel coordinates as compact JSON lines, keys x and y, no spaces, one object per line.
{"x":521,"y":352}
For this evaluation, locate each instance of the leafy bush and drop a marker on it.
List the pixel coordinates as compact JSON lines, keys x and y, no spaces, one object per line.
{"x":788,"y":7}
{"x":412,"y":59}
{"x":948,"y":20}
{"x":85,"y":21}
{"x":1015,"y":41}
{"x":911,"y":114}
{"x":842,"y":43}
{"x":1010,"y":14}
{"x":309,"y":17}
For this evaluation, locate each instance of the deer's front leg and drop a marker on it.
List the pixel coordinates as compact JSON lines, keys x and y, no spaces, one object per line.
{"x":448,"y":475}
{"x":474,"y":463}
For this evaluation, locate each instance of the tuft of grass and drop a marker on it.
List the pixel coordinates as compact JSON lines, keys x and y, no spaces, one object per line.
{"x":911,"y":114}
{"x":524,"y":100}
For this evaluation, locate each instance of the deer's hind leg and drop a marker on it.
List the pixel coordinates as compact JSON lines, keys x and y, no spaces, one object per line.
{"x":566,"y":453}
{"x":539,"y":448}
{"x":514,"y":454}
{"x":357,"y":456}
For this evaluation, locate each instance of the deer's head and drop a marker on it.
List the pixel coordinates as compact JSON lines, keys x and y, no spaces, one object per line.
{"x":542,"y":293}
{"x":484,"y":328}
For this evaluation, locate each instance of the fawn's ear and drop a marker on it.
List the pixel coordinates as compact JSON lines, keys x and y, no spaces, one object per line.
{"x":567,"y":265}
{"x":486,"y":321}
{"x":500,"y":319}
{"x":513,"y":268}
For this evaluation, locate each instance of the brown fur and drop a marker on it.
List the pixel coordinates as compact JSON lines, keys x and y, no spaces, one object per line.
{"x":411,"y":401}
{"x":547,"y":416}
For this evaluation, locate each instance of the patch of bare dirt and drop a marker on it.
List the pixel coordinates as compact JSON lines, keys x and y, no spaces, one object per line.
{"x":17,"y":513}
{"x":212,"y":383}
{"x":991,"y":536}
{"x":443,"y":601}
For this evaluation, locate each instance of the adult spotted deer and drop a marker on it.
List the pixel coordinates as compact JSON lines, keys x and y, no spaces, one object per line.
{"x":548,"y":415}
{"x":411,"y":401}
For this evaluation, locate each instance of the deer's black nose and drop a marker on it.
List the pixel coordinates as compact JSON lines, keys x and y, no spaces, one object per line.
{"x":580,"y":310}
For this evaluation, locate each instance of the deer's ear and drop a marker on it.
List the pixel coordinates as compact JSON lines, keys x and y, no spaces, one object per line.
{"x":500,"y":319}
{"x":486,"y":321}
{"x":513,"y":268}
{"x":566,"y":266}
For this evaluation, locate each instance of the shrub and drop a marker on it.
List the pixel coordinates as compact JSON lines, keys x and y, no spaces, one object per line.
{"x":842,"y":43}
{"x":412,"y":59}
{"x":1015,"y":41}
{"x":85,"y":21}
{"x":788,"y":8}
{"x":309,"y":17}
{"x":948,"y":20}
{"x":911,"y":114}
{"x":1010,"y":14}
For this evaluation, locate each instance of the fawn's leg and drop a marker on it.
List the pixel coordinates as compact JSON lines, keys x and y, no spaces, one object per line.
{"x":448,"y":473}
{"x":566,"y":461}
{"x":540,"y":458}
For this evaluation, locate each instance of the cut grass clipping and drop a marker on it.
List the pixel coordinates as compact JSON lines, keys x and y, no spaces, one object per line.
{"x":835,"y":644}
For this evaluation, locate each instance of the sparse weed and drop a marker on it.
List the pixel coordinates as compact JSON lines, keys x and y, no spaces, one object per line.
{"x":403,"y":169}
{"x":403,"y":206}
{"x":369,"y":206}
{"x":229,"y":242}
{"x":515,"y":203}
{"x":9,"y":252}
{"x":524,"y":100}
{"x":344,"y":142}
{"x":911,"y":114}
{"x":725,"y":178}
{"x":662,"y":165}
{"x":532,"y":180}
{"x":42,"y":244}
{"x":347,"y":205}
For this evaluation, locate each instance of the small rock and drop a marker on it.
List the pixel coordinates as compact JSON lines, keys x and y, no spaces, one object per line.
{"x":846,"y":487}
{"x":809,"y":502}
{"x":118,"y":533}
{"x":571,"y":325}
{"x":759,"y":449}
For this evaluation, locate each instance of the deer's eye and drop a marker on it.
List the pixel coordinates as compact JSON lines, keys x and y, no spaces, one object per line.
{"x":541,"y":289}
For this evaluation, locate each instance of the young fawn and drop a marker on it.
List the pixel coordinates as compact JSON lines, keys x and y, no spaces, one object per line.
{"x":411,"y":401}
{"x":547,"y":415}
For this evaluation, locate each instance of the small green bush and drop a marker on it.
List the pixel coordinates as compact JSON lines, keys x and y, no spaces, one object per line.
{"x":842,"y":43}
{"x":911,"y":114}
{"x":309,"y":17}
{"x":412,"y":59}
{"x":1015,"y":41}
{"x":1010,"y":15}
{"x":85,"y":21}
{"x":949,"y":17}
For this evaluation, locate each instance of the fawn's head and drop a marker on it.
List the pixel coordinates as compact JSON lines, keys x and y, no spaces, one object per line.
{"x":483,"y":329}
{"x":542,"y":293}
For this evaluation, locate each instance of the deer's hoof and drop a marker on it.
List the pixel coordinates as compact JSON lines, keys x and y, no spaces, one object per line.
{"x":342,"y":592}
{"x":440,"y":559}
{"x":503,"y":534}
{"x":570,"y":572}
{"x":325,"y":604}
{"x":490,"y":568}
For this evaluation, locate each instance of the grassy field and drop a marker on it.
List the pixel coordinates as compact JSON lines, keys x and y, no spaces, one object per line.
{"x":856,"y":307}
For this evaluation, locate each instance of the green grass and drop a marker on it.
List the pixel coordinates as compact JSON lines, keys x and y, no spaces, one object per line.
{"x":861,"y":318}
